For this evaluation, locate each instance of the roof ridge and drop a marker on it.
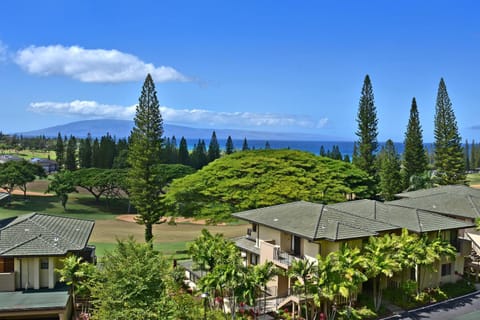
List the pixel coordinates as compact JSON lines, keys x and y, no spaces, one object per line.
{"x":362,"y":217}
{"x":19,"y":244}
{"x":418,"y":219}
{"x":19,"y":219}
{"x":318,"y":222}
{"x":473,"y":204}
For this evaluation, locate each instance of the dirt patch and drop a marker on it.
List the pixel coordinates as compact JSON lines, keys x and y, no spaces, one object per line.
{"x":131,"y":218}
{"x":29,"y":193}
{"x":476,"y":186}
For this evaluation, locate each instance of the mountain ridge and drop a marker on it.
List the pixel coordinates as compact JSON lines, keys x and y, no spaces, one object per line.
{"x":122,"y":129}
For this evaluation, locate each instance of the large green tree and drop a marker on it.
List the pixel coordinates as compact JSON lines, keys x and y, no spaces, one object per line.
{"x":17,"y":174}
{"x":367,"y":132}
{"x":389,"y":173}
{"x":259,"y":178}
{"x":62,"y":184}
{"x":143,"y":156}
{"x":414,"y":155}
{"x":131,"y":284}
{"x":449,"y":162}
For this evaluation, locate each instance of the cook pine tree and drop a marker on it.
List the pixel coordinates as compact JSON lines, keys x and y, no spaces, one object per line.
{"x":367,"y":144}
{"x":144,"y":156}
{"x":415,"y":160}
{"x":449,"y":160}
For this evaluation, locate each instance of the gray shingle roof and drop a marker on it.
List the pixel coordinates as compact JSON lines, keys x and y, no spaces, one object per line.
{"x":413,"y":219}
{"x":39,"y":234}
{"x":348,"y":220}
{"x":460,"y":189}
{"x":315,"y":221}
{"x":460,"y":204}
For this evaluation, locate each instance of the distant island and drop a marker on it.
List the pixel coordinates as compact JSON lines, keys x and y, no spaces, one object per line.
{"x":122,"y":128}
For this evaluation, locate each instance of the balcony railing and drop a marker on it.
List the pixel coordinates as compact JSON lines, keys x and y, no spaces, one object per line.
{"x":283,"y":257}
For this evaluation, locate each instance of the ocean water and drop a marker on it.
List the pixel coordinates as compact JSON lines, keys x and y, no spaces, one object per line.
{"x":346,"y":147}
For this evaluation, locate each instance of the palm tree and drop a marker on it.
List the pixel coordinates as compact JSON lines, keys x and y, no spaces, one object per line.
{"x":304,"y":270}
{"x":429,"y":251}
{"x":349,"y":263}
{"x":262,"y":274}
{"x":380,"y":264}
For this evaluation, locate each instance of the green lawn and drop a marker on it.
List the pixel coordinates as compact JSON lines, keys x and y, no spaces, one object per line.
{"x":473,"y":178}
{"x":171,"y":249}
{"x":78,"y":206}
{"x":29,"y":154}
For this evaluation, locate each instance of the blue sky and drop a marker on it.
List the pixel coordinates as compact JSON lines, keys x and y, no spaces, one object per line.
{"x":294,"y":66}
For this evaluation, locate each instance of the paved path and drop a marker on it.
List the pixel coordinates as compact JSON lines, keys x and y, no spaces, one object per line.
{"x":463,"y":308}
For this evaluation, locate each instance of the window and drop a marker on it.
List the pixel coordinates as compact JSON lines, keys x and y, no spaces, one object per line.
{"x":254,"y":227}
{"x":295,"y":245}
{"x":253,"y":259}
{"x":44,"y":263}
{"x":446,"y":269}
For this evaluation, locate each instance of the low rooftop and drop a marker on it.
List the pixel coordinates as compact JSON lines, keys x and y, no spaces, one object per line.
{"x":38,"y":234}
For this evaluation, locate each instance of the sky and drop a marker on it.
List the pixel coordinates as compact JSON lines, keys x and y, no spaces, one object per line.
{"x":286,"y":66}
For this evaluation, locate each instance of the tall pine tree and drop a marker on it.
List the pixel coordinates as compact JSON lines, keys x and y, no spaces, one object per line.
{"x":183,"y":156}
{"x":449,"y":162}
{"x":229,"y":147}
{"x":367,"y":133}
{"x":245,"y":145}
{"x":414,"y":155}
{"x":144,"y":156}
{"x":213,"y":148}
{"x":60,"y":151}
{"x":390,"y":179}
{"x":71,"y":154}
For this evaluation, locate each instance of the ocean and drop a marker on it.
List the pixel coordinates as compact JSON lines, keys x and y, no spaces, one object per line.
{"x":346,"y":147}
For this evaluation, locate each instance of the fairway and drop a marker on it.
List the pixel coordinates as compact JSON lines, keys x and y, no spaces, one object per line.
{"x":109,"y":230}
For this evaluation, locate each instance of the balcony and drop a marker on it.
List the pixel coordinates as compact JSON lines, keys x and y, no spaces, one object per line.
{"x":284,"y":257}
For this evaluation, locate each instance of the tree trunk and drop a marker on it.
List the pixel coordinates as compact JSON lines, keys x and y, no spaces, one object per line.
{"x":148,"y":233}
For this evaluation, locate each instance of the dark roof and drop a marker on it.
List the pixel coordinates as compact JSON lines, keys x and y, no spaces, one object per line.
{"x":459,"y":189}
{"x":348,"y":220}
{"x":33,"y":300}
{"x":246,"y":244}
{"x":459,"y":204}
{"x":412,"y":219}
{"x":39,"y":234}
{"x":315,"y":221}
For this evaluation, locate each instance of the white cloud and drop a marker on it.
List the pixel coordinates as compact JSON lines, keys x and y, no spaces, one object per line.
{"x":93,"y":109}
{"x":91,"y":65}
{"x":3,"y":52}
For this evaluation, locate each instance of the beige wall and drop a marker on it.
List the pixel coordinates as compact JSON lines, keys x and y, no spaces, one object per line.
{"x":310,"y":249}
{"x":267,"y":234}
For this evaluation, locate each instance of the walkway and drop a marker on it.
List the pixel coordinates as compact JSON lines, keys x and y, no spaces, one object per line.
{"x":462,"y":308}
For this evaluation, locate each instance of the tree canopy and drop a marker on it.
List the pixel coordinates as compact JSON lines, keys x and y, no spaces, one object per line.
{"x":259,"y":178}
